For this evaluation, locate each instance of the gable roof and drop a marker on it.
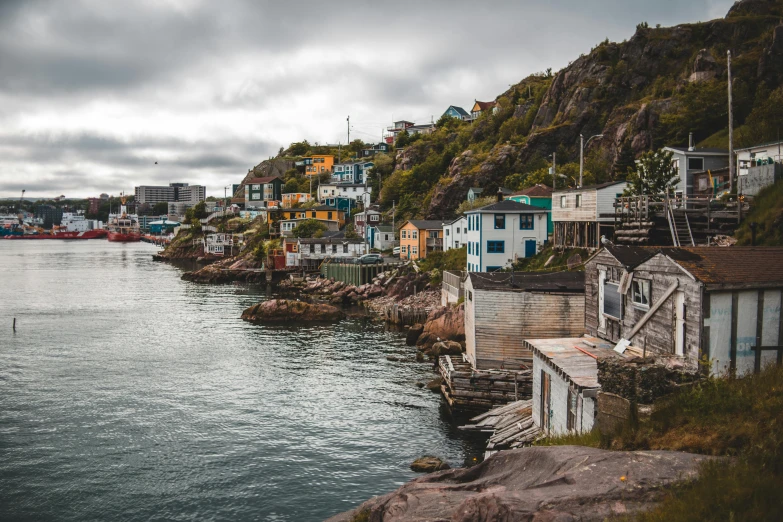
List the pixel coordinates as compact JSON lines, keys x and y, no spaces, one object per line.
{"x":259,"y":181}
{"x":705,"y":150}
{"x":458,"y":218}
{"x":536,"y":191}
{"x":714,"y":266}
{"x":598,"y":186}
{"x":328,"y":240}
{"x":423,"y":224}
{"x":460,"y":110}
{"x":383,"y":228}
{"x":483,"y":105}
{"x":508,"y":205}
{"x":528,"y":281}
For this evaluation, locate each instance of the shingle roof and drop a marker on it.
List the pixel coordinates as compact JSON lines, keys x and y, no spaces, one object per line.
{"x":529,"y":281}
{"x":485,"y":105}
{"x":383,"y":228}
{"x":759,"y":146}
{"x":508,"y":205}
{"x":460,"y":110}
{"x":753,"y":266}
{"x":536,"y":191}
{"x":422,"y":224}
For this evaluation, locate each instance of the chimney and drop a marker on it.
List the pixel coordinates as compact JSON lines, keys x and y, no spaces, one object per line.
{"x":500,"y":195}
{"x":690,"y":142}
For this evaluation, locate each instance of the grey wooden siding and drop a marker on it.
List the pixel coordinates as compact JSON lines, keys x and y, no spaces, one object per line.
{"x":496,"y":323}
{"x":605,"y":201}
{"x":586,"y":212}
{"x":657,"y":336}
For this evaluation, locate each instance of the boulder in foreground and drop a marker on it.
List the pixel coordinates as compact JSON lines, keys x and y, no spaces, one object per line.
{"x":428,"y":464}
{"x":539,"y":483}
{"x":287,"y":311}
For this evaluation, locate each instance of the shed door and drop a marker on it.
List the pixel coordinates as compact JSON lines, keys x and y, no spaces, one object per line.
{"x":601,"y":316}
{"x":530,"y":247}
{"x":546,"y":401}
{"x":679,"y":323}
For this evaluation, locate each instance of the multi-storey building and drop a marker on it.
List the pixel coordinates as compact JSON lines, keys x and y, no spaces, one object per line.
{"x":183,"y":192}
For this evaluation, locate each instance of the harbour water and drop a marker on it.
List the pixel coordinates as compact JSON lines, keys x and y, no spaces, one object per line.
{"x":129,"y":394}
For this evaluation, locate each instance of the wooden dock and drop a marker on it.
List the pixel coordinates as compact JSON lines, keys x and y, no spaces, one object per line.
{"x":467,"y":389}
{"x":511,"y":426}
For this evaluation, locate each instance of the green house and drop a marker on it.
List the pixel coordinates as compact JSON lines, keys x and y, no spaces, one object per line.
{"x":539,"y":196}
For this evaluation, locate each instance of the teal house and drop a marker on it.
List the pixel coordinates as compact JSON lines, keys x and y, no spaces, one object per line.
{"x":456,"y":112}
{"x":539,"y":196}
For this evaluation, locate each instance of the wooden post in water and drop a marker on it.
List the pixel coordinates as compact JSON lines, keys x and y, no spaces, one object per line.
{"x":14,"y":324}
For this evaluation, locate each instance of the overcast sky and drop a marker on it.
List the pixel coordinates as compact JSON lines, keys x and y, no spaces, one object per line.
{"x":93,"y":93}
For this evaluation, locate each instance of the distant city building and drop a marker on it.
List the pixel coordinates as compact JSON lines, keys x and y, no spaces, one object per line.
{"x":179,"y":192}
{"x":104,"y":197}
{"x":46,"y":212}
{"x":94,"y":205}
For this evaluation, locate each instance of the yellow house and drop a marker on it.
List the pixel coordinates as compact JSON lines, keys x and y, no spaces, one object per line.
{"x":318,"y":164}
{"x":322,"y":213}
{"x":419,"y":237}
{"x":292,"y":198}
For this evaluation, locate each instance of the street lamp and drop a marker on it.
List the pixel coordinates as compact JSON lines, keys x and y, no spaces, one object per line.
{"x":582,"y":145}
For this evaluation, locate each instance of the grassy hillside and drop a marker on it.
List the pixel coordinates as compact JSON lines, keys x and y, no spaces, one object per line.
{"x":767,"y":213}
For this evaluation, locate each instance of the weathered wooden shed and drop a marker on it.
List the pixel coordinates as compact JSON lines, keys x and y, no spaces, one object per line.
{"x":580,"y":216}
{"x":565,"y":382}
{"x":503,"y":309}
{"x":711,"y":303}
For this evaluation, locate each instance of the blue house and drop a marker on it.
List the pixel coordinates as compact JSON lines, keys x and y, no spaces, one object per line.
{"x":354,"y":172}
{"x":456,"y":112}
{"x":375,"y":149}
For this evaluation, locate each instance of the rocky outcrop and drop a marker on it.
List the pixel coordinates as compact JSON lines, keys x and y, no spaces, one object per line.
{"x":443,"y":324}
{"x":286,"y":311}
{"x":428,"y":464}
{"x":563,"y":483}
{"x":270,"y":167}
{"x":414,"y":332}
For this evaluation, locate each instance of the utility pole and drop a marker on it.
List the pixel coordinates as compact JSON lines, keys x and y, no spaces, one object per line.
{"x":348,"y":119}
{"x":731,"y":130}
{"x":554,"y":170}
{"x":582,"y":146}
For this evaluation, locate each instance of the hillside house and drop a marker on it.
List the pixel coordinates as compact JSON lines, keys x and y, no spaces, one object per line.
{"x":503,"y":309}
{"x":316,"y":164}
{"x":456,"y":112}
{"x":539,"y":196}
{"x":581,"y":216}
{"x":689,"y":160}
{"x":375,"y":149}
{"x":480,"y":107}
{"x":311,"y":252}
{"x":420,"y":237}
{"x":689,"y":303}
{"x":290,"y":199}
{"x":355,"y":191}
{"x":455,"y":233}
{"x":365,"y":217}
{"x":424,"y":128}
{"x":287,"y":219}
{"x":381,"y":237}
{"x":501,"y":232}
{"x":352,"y":172}
{"x":259,"y":192}
{"x":393,"y":130}
{"x":565,"y":382}
{"x":476,"y":192}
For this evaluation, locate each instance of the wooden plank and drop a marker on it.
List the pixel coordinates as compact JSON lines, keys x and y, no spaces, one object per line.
{"x":733,"y":339}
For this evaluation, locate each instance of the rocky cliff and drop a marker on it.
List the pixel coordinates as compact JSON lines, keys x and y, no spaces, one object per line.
{"x":270,"y":167}
{"x":649,"y":91}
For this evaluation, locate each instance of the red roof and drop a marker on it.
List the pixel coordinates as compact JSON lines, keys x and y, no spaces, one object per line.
{"x":258,"y":181}
{"x":536,"y":191}
{"x":485,"y":105}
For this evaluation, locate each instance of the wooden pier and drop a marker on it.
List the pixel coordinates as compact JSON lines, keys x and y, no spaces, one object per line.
{"x":467,"y":389}
{"x":353,"y":273}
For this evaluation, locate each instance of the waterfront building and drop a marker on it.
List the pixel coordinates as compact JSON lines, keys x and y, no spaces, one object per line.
{"x":420,"y":237}
{"x":690,"y":304}
{"x":381,"y":237}
{"x":179,"y":192}
{"x":455,"y":233}
{"x":311,"y":252}
{"x":580,"y":216}
{"x":501,"y":232}
{"x":504,"y":309}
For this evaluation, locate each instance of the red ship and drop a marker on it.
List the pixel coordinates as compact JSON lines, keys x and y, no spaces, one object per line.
{"x":89,"y":234}
{"x":124,"y":228}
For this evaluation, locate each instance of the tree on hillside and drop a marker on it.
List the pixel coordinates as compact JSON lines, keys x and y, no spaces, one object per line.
{"x":308,"y":228}
{"x":299,"y":148}
{"x":467,"y":205}
{"x":403,"y":139}
{"x":160,"y":208}
{"x":626,"y":160}
{"x":653,"y":175}
{"x":350,"y":232}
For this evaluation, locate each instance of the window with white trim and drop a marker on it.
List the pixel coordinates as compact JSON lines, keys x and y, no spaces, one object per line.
{"x":640,"y":293}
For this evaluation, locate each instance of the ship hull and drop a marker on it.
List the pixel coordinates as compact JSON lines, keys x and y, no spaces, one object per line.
{"x":89,"y":234}
{"x":121,"y":237}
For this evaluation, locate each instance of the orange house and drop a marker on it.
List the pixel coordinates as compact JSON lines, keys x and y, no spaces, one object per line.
{"x":419,"y":237}
{"x":318,"y":164}
{"x":292,"y":198}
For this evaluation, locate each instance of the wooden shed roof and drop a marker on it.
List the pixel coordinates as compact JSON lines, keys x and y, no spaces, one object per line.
{"x":573,"y":357}
{"x":528,"y":281}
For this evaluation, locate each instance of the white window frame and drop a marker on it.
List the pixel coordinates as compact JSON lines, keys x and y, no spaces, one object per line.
{"x":640,"y":293}
{"x":563,"y":201}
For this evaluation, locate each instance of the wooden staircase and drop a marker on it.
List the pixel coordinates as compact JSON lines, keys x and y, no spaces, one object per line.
{"x":680,"y":226}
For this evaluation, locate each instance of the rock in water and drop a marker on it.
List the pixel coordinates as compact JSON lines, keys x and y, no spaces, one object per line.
{"x":286,"y":311}
{"x":413,"y":334}
{"x":447,"y":323}
{"x":428,"y":464}
{"x":538,"y":483}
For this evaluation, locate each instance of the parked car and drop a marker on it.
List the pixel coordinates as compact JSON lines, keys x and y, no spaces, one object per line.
{"x":396,"y":252}
{"x":370,"y":259}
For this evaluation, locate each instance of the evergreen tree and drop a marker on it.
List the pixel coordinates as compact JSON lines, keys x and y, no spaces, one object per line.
{"x":626,"y":161}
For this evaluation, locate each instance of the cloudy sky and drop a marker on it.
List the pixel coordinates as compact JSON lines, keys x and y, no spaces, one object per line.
{"x":93,"y":93}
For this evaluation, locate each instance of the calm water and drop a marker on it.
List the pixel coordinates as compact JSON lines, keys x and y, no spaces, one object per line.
{"x":129,"y":394}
